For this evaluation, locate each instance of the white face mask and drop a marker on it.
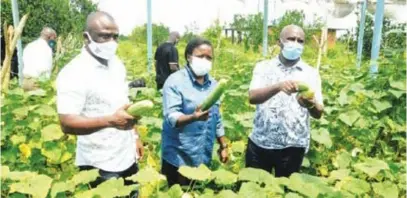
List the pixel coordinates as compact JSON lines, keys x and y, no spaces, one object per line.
{"x":200,"y":66}
{"x":102,"y":50}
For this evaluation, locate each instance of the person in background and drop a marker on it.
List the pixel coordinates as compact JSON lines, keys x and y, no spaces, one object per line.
{"x":281,"y":133}
{"x":166,"y":59}
{"x":92,"y":98}
{"x":37,"y":59}
{"x":189,"y":133}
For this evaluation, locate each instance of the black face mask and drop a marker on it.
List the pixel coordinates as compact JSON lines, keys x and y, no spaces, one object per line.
{"x":52,"y":44}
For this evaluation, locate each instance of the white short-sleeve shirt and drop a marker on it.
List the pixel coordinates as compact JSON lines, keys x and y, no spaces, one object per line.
{"x":86,"y":87}
{"x":37,"y":59}
{"x":281,"y":122}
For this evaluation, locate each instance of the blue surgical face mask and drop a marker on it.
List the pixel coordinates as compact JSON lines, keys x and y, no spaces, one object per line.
{"x":292,"y":50}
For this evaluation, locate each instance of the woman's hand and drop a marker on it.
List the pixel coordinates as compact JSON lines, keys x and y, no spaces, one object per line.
{"x":200,"y":115}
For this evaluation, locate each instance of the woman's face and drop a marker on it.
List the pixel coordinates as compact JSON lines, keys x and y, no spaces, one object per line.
{"x":202,"y":51}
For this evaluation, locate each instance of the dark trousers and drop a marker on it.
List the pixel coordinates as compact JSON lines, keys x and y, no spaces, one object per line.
{"x":172,"y":174}
{"x":106,"y":175}
{"x":283,"y":161}
{"x":159,"y":85}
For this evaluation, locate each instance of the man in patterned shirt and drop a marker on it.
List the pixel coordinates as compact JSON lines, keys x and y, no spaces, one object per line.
{"x":281,"y":133}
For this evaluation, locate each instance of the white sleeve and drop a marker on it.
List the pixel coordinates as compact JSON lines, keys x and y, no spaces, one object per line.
{"x":258,"y":80}
{"x":318,"y":89}
{"x":71,"y":93}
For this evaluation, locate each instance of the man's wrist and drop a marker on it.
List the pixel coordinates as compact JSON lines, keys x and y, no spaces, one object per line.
{"x":223,"y":146}
{"x":193,"y":117}
{"x":108,"y":120}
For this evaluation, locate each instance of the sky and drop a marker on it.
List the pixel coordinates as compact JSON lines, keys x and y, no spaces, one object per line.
{"x":176,"y":14}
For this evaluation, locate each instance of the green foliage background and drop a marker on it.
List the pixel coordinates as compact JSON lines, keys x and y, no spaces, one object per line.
{"x":358,"y":148}
{"x":65,"y":16}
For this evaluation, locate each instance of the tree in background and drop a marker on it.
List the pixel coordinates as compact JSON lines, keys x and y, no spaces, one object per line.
{"x":160,"y":34}
{"x":393,"y":37}
{"x":251,"y":27}
{"x":65,"y":16}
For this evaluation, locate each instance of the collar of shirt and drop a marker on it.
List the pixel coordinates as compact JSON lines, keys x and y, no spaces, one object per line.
{"x":298,"y":65}
{"x":93,"y":61}
{"x":207,"y":79}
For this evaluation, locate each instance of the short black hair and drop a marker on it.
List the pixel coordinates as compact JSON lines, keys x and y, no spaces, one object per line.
{"x":194,"y":43}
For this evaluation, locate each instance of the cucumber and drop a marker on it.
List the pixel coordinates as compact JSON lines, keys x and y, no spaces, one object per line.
{"x":307,"y":94}
{"x":302,"y":87}
{"x":215,"y":95}
{"x":140,"y":108}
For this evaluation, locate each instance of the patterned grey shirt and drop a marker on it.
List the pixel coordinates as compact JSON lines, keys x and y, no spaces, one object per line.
{"x":281,"y":122}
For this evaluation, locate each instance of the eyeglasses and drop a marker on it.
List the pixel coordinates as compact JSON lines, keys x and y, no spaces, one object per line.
{"x":107,"y":36}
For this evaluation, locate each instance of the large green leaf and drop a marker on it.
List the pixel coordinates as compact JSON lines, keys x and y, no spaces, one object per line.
{"x":292,"y":195}
{"x":381,"y":105}
{"x":226,"y":194}
{"x":17,"y":91}
{"x":306,"y":162}
{"x":21,"y":112}
{"x":343,"y":160}
{"x":16,"y":175}
{"x":355,"y":186}
{"x":321,"y":136}
{"x":174,"y":191}
{"x":357,"y":87}
{"x":349,"y":117}
{"x":51,"y":132}
{"x":146,"y":175}
{"x":254,"y":175}
{"x":62,"y":187}
{"x":5,"y":170}
{"x":251,"y":189}
{"x":84,"y":177}
{"x":343,"y":97}
{"x":400,"y":85}
{"x":372,"y":166}
{"x":386,"y":189}
{"x":224,"y":177}
{"x":109,"y":189}
{"x":308,"y":185}
{"x":238,"y":146}
{"x":17,"y":139}
{"x":397,"y":93}
{"x":46,"y":110}
{"x":37,"y":186}
{"x":155,"y":122}
{"x":37,"y":92}
{"x":402,"y":181}
{"x":200,"y":173}
{"x":339,"y":174}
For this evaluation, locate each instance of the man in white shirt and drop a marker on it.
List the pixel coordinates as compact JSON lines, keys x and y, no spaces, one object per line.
{"x":92,"y":96}
{"x":37,"y":58}
{"x":281,"y":132}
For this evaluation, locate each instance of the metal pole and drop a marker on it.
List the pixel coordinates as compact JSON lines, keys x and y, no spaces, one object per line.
{"x":361,"y":33}
{"x":149,"y":36}
{"x":16,"y":21}
{"x":265,"y":27}
{"x":377,"y":35}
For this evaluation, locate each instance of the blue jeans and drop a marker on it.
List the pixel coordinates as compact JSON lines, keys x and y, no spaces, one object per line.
{"x":105,"y":175}
{"x":284,"y":161}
